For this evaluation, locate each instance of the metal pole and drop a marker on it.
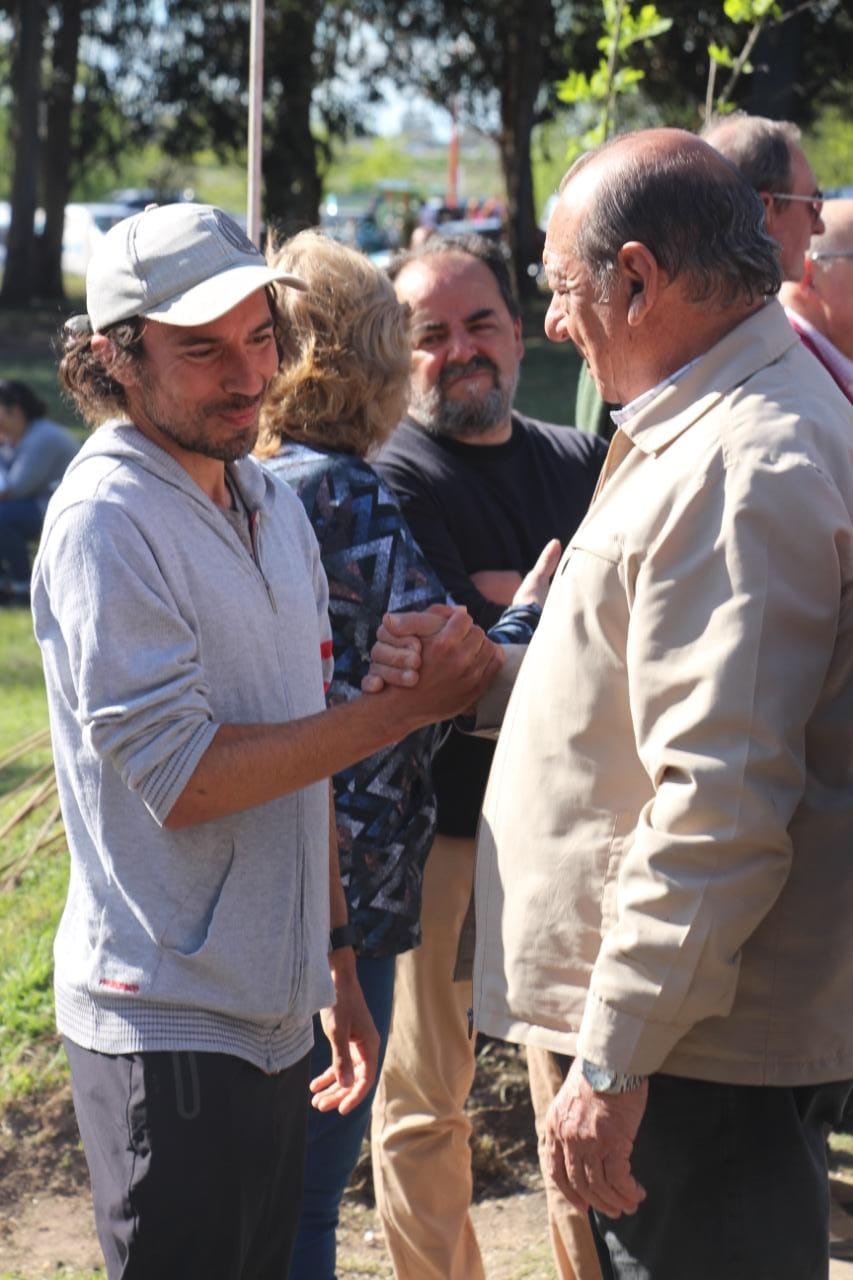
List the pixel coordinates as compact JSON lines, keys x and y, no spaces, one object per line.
{"x":256,"y":108}
{"x":453,"y":157}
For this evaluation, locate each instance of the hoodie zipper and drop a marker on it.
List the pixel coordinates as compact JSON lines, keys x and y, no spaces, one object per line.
{"x":254,"y":533}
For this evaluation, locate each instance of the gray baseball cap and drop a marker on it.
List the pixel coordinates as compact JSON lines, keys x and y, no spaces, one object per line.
{"x":182,"y":264}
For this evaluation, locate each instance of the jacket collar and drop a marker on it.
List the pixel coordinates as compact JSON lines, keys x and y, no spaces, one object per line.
{"x":760,"y":340}
{"x":120,"y":439}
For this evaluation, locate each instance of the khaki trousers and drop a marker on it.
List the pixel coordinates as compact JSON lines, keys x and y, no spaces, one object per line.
{"x":571,"y":1235}
{"x":421,"y":1154}
{"x":420,"y":1133}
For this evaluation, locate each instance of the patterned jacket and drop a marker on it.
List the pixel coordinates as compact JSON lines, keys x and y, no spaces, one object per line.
{"x":385,"y":805}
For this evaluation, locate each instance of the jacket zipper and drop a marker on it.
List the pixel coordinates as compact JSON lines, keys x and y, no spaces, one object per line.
{"x":254,"y":533}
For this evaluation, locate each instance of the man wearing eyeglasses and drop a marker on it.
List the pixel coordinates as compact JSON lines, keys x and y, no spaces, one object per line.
{"x":820,"y":305}
{"x":768,"y":154}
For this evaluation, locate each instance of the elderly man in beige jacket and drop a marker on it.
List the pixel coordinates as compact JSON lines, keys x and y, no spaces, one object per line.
{"x":664,"y":887}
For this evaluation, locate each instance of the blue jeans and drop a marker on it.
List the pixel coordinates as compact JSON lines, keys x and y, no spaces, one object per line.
{"x":334,"y":1141}
{"x":21,"y":520}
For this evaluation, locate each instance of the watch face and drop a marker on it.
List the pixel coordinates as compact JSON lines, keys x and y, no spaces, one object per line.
{"x":598,"y":1078}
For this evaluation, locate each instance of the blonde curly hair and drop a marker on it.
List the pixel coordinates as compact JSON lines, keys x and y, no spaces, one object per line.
{"x":344,"y":378}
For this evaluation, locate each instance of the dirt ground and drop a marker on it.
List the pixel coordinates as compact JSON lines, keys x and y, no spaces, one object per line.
{"x":47,"y":1229}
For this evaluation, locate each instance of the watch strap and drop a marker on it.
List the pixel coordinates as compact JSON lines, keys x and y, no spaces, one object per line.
{"x":344,"y":935}
{"x":605,"y":1080}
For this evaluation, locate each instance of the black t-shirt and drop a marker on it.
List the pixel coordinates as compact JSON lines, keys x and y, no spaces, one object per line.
{"x":475,"y":507}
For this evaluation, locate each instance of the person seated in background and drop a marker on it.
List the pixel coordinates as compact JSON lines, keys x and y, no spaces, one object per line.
{"x":819,"y":306}
{"x":337,"y":398}
{"x":32,"y":464}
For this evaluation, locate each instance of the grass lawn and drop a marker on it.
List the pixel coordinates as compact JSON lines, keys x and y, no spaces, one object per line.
{"x":29,"y":905}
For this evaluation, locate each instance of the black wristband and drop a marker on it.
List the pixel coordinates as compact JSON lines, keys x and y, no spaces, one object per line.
{"x":344,"y":935}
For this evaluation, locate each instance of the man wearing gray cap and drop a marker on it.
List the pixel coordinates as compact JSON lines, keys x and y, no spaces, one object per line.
{"x":181,"y":611}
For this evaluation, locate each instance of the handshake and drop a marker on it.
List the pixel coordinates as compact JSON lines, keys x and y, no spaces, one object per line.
{"x":441,"y":656}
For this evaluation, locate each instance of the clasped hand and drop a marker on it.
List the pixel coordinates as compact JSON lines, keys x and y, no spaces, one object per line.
{"x":397,"y":655}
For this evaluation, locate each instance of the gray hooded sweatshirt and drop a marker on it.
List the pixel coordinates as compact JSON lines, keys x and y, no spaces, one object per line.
{"x":157,"y":626}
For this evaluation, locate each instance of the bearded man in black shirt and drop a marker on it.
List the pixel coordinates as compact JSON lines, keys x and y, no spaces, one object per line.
{"x":483,"y":489}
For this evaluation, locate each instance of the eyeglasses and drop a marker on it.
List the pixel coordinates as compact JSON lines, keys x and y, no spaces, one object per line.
{"x":814,"y":201}
{"x":821,"y":255}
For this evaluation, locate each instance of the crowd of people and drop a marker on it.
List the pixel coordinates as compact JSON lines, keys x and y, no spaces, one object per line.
{"x":309,"y":565}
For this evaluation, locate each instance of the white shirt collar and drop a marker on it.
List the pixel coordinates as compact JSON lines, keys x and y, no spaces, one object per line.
{"x":628,"y":411}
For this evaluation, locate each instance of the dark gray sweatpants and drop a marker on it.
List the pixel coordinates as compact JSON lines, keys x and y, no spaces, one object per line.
{"x":196,"y":1162}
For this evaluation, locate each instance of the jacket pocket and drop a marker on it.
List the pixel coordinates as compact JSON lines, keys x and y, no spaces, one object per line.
{"x":604,"y":543}
{"x":187,"y":930}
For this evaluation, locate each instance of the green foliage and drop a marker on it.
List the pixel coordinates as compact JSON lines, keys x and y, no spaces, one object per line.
{"x":358,"y":166}
{"x":758,"y":14}
{"x":829,"y":146}
{"x":751,"y":10}
{"x":721,"y":55}
{"x":630,"y":28}
{"x":610,"y":80}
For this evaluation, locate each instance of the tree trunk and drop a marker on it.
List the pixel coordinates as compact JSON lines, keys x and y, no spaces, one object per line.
{"x":526,"y":25}
{"x":773,"y":93}
{"x":292,"y":182}
{"x":56,"y":151}
{"x":19,"y":274}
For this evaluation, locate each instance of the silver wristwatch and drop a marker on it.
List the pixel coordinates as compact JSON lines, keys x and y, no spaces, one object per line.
{"x":603,"y":1080}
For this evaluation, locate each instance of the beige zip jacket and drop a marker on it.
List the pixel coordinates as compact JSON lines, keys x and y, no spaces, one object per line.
{"x":665,"y":857}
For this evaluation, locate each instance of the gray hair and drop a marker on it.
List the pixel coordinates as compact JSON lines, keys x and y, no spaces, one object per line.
{"x":760,"y":149}
{"x":693,"y":212}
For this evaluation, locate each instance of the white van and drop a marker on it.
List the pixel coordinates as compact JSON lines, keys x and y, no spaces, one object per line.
{"x":85,"y":225}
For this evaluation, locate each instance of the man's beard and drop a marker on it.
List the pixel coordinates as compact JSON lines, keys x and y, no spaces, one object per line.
{"x":196,"y":441}
{"x":194,"y":434}
{"x":467,"y":418}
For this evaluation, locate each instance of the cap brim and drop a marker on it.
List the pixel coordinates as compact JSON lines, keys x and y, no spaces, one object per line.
{"x":215,"y":297}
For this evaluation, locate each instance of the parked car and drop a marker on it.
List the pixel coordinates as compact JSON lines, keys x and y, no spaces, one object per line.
{"x":136,"y":198}
{"x":353,"y":225}
{"x":85,"y":225}
{"x":489,"y":228}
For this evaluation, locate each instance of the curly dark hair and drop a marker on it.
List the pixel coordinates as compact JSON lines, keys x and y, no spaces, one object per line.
{"x":82,"y":376}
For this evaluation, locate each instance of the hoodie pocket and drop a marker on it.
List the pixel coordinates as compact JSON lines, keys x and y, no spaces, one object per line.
{"x":187,"y":930}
